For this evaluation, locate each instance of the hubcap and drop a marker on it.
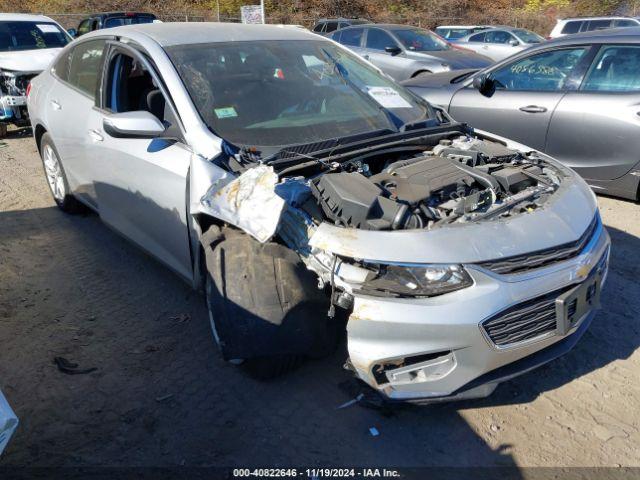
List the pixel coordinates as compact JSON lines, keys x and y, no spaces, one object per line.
{"x":54,"y":173}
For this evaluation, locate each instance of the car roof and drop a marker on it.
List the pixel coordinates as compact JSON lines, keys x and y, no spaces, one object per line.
{"x":187,"y":33}
{"x":23,"y":17}
{"x":604,"y":17}
{"x":463,"y":26}
{"x":609,"y":35}
{"x":342,"y":19}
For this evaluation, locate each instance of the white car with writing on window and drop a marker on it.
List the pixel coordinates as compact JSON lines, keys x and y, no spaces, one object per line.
{"x":28,"y":43}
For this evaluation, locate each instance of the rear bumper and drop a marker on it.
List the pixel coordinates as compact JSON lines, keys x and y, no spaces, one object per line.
{"x":436,"y":349}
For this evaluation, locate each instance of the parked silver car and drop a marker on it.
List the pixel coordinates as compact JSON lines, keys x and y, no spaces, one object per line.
{"x":273,"y":167}
{"x":499,"y":43}
{"x":575,"y":98}
{"x":404,"y":52}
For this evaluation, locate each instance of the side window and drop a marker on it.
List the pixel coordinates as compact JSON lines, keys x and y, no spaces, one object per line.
{"x":318,"y":28}
{"x":498,"y":36}
{"x":615,"y":69}
{"x":343,"y":25}
{"x":477,"y":38}
{"x":84,"y":27}
{"x":379,"y":40}
{"x":94,"y":25}
{"x":626,"y":23}
{"x":352,"y":37}
{"x":599,"y":25}
{"x":571,"y":27}
{"x":130,"y":87}
{"x":86,"y":63}
{"x":331,"y":26}
{"x":545,"y":71}
{"x":61,"y":67}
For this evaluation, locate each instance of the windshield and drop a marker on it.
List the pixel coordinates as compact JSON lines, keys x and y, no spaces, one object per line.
{"x":16,"y":36}
{"x":127,"y":20}
{"x":528,"y":37}
{"x":419,"y":40}
{"x":454,"y":33}
{"x":276,"y":93}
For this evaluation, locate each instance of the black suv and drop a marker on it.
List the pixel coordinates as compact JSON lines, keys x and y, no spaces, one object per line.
{"x":109,"y":20}
{"x":328,"y":25}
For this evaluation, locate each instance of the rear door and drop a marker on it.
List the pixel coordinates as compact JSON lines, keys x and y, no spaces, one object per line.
{"x":498,"y":44}
{"x":70,"y":101}
{"x":527,"y":92}
{"x":476,"y":43}
{"x":596,"y":130}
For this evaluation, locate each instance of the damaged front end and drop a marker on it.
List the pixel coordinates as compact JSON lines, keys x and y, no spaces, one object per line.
{"x":13,"y":100}
{"x":401,"y":232}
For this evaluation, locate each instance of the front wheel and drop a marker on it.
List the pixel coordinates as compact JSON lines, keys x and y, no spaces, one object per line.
{"x":56,"y":177}
{"x":264,"y":306}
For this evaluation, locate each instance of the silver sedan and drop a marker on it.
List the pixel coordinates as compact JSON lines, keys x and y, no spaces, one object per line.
{"x":499,"y":43}
{"x":296,"y":186}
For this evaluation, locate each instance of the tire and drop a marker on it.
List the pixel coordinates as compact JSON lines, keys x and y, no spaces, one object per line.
{"x":3,"y":130}
{"x":264,"y":306}
{"x":56,"y":178}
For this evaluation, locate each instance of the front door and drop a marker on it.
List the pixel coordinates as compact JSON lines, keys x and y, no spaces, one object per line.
{"x":527,"y":91}
{"x":141,"y":183}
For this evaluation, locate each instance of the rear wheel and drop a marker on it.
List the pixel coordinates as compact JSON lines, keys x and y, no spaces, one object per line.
{"x":264,"y":307}
{"x":56,"y":177}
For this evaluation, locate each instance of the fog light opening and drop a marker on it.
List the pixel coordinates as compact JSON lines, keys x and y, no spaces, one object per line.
{"x":415,"y":369}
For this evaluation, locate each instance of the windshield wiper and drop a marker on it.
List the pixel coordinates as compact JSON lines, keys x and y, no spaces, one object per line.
{"x":344,"y":75}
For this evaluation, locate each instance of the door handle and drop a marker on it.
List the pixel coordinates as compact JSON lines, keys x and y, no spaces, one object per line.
{"x":96,"y":136}
{"x":56,"y":105}
{"x":533,"y":109}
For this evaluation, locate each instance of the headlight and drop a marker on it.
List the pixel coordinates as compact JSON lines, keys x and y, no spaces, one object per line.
{"x":419,"y":281}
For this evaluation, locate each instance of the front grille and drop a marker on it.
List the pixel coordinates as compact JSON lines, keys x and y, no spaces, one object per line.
{"x":543,"y":258}
{"x":524,"y":321}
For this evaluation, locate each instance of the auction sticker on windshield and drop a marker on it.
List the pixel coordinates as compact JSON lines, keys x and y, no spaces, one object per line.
{"x":388,"y":97}
{"x":226,"y":112}
{"x":46,"y":28}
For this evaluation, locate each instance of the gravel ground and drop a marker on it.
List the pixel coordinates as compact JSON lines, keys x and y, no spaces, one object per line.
{"x":160,"y":396}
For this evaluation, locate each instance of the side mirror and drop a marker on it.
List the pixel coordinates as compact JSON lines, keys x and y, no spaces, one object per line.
{"x":73,"y":33}
{"x":484,"y":84}
{"x":513,"y":42}
{"x":139,"y":124}
{"x":393,"y":49}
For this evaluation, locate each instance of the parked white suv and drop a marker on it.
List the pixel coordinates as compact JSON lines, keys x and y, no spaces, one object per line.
{"x":568,"y":26}
{"x":28,"y":43}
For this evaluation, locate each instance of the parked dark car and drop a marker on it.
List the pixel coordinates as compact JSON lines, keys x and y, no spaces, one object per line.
{"x":110,"y":20}
{"x":575,"y":98}
{"x":402,"y":51}
{"x":328,"y":25}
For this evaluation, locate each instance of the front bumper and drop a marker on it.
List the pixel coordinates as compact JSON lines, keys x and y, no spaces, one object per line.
{"x":435,"y":349}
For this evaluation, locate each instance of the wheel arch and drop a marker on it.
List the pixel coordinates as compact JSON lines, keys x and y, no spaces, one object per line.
{"x":38,"y":132}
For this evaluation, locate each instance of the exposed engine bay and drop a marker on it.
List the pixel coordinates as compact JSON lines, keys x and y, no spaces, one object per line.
{"x":460,"y":179}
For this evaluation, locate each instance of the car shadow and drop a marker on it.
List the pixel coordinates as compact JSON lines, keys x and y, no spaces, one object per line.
{"x":145,"y":350}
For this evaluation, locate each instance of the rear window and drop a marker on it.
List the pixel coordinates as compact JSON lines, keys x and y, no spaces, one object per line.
{"x":351,"y":37}
{"x":626,"y":23}
{"x":477,"y":38}
{"x":571,"y":27}
{"x":128,"y":20}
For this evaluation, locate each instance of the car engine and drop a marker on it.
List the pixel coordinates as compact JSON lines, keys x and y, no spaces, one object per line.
{"x":458,"y":180}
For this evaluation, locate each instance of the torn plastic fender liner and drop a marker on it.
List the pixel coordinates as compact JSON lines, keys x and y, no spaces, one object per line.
{"x":248,"y":202}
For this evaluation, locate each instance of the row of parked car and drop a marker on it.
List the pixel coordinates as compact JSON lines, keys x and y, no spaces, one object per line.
{"x":261,"y":162}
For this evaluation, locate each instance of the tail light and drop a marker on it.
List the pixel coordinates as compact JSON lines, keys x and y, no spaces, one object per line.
{"x":28,"y":90}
